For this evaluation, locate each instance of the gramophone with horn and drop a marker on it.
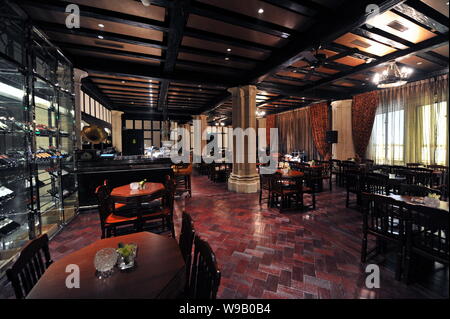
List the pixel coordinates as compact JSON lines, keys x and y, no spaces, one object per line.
{"x":94,"y":134}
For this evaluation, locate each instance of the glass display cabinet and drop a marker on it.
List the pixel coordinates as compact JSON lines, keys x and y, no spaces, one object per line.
{"x":16,"y":191}
{"x":38,"y":186}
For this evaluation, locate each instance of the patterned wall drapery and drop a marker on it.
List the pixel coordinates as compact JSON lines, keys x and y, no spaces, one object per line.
{"x":270,"y":123}
{"x":363,"y":114}
{"x":320,"y":125}
{"x":295,"y":134}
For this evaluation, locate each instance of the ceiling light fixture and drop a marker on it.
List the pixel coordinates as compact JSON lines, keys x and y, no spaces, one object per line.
{"x":223,"y":123}
{"x":146,"y":2}
{"x":261,"y":11}
{"x":260,"y":113}
{"x":228,"y":50}
{"x":101,"y":25}
{"x":392,"y":76}
{"x":100,"y":37}
{"x":227,"y":59}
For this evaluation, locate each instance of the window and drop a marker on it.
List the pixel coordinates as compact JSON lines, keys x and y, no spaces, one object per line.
{"x":388,"y":138}
{"x":434,"y":137}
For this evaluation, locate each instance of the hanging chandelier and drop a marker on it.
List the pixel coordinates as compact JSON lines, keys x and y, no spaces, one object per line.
{"x":260,"y":113}
{"x":393,"y":76}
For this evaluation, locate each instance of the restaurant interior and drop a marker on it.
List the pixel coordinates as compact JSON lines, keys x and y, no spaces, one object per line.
{"x":211,"y":149}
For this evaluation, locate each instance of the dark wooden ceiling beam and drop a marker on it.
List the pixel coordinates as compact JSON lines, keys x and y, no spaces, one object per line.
{"x":292,"y":90}
{"x":107,"y":36}
{"x":231,"y":41}
{"x":420,"y":47}
{"x":352,"y":15}
{"x":97,"y":49}
{"x":425,"y":12}
{"x":380,"y":37}
{"x":177,"y":19}
{"x":411,"y":14}
{"x":217,"y":55}
{"x":304,"y":8}
{"x":89,"y":87}
{"x":105,"y":78}
{"x":137,"y":70}
{"x":99,"y":13}
{"x":434,"y":58}
{"x":237,"y":19}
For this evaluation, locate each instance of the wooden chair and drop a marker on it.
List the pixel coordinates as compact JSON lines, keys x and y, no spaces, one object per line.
{"x":118,"y":207}
{"x":353,"y":185}
{"x":186,"y":243}
{"x":376,"y":184}
{"x":427,"y":236}
{"x":440,"y":175}
{"x":417,"y":190}
{"x":110,"y":223}
{"x":384,"y":218}
{"x":182,"y":173}
{"x":164,"y":212}
{"x":288,"y":193}
{"x":336,"y":171}
{"x":33,"y":261}
{"x":326,"y":173}
{"x":205,"y":276}
{"x":264,"y":186}
{"x":423,"y":176}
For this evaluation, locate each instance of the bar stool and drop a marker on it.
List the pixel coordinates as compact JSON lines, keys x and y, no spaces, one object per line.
{"x":183,"y":174}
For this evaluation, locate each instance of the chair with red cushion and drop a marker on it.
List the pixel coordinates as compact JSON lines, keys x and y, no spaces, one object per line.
{"x":112,"y":224}
{"x":162,"y":211}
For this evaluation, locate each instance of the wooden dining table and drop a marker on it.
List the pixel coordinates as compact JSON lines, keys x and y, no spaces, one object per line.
{"x":159,"y":272}
{"x":290,"y":174}
{"x":410,"y":201}
{"x":124,"y":194}
{"x":135,"y":198}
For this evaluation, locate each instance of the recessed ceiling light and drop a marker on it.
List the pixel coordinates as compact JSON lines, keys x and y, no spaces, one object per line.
{"x":227,"y":58}
{"x":100,"y":37}
{"x":261,"y":11}
{"x":101,"y":25}
{"x":229,"y":50}
{"x":419,"y":63}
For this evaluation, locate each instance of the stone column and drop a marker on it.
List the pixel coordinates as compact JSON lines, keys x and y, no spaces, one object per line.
{"x":244,"y":178}
{"x":116,"y":123}
{"x":200,"y":125}
{"x":78,"y":75}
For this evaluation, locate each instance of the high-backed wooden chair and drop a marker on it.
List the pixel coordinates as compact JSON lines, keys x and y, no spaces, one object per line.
{"x":427,"y":236}
{"x":186,"y":242}
{"x":205,"y":276}
{"x":163,"y":212}
{"x":384,"y":218}
{"x":33,"y":261}
{"x":110,"y":223}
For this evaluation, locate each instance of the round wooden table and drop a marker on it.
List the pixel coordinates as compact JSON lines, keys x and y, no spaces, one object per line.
{"x":159,"y":272}
{"x":124,"y":194}
{"x":134,"y":198}
{"x":290,"y":174}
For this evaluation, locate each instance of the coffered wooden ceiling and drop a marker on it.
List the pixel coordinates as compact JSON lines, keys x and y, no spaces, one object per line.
{"x":178,"y":58}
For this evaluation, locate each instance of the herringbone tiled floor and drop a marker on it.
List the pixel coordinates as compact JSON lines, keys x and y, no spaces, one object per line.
{"x":265,"y":254}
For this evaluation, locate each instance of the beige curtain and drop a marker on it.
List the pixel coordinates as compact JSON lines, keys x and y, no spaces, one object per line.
{"x":342,"y":123}
{"x":411,"y":125}
{"x":294,"y":129}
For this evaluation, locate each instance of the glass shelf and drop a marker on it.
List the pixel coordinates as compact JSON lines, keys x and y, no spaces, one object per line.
{"x":38,"y":186}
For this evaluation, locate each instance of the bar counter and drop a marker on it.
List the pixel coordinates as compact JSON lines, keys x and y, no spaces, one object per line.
{"x":118,"y":171}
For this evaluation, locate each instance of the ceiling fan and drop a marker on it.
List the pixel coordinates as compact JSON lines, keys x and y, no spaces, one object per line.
{"x":316,"y":59}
